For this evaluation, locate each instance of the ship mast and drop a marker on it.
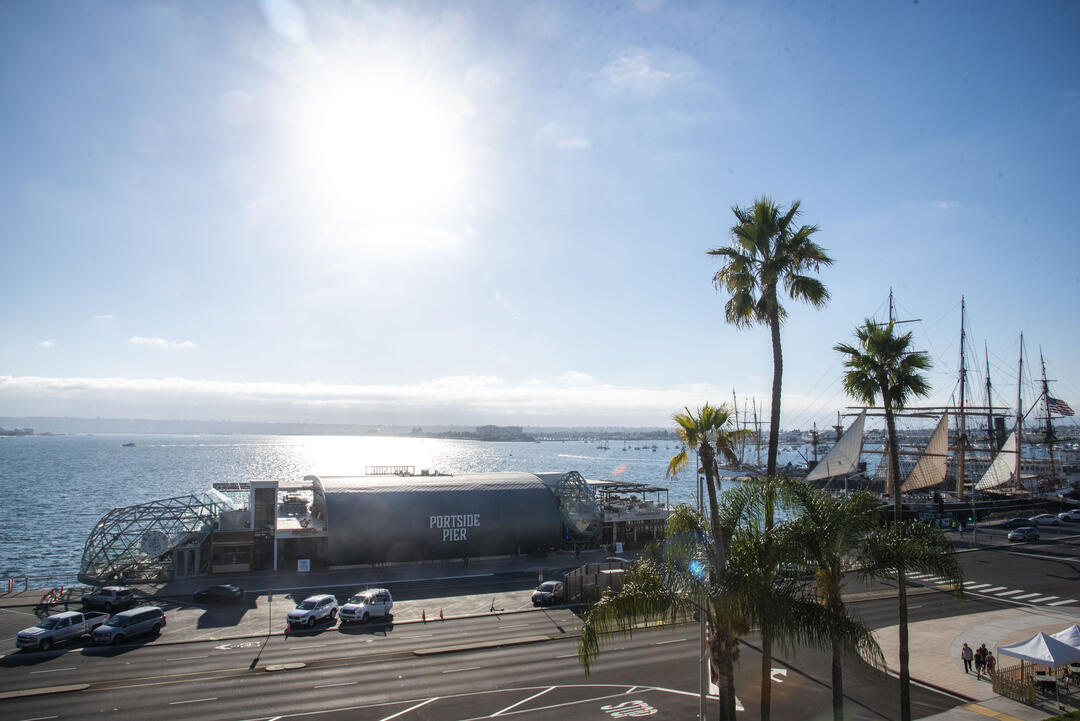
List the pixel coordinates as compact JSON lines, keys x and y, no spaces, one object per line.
{"x":742,"y":442}
{"x":990,"y":435}
{"x":757,"y":434}
{"x":961,"y":440}
{"x":1020,"y":412}
{"x":1049,"y":425}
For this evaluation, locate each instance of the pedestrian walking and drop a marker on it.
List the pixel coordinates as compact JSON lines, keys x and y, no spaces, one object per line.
{"x":991,"y":664}
{"x":966,"y":654}
{"x":980,"y":660}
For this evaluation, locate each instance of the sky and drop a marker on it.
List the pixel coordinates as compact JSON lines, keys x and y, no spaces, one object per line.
{"x":489,"y":212}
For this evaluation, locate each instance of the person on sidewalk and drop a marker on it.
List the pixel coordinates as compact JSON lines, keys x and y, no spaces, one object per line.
{"x":980,"y":660}
{"x":991,"y":664}
{"x":966,"y":655}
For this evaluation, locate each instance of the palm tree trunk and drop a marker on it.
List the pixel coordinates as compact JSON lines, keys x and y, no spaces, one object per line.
{"x":722,"y":648}
{"x":777,"y":380}
{"x":837,"y":684}
{"x":901,"y":578}
{"x":766,"y":676}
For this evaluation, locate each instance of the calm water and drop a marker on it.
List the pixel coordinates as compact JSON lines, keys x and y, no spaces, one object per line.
{"x":56,"y":488}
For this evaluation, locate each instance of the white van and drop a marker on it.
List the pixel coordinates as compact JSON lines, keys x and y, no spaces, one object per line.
{"x":366,"y":605}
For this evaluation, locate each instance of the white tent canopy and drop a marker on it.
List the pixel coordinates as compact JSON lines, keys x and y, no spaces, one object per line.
{"x":1043,"y":650}
{"x":1070,"y":636}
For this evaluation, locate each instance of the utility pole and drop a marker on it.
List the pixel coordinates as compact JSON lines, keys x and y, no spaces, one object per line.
{"x":1020,"y":413}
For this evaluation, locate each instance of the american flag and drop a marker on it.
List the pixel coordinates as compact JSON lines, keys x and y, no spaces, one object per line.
{"x":1056,"y":405}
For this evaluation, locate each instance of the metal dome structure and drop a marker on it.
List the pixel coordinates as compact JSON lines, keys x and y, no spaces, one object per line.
{"x":152,"y":541}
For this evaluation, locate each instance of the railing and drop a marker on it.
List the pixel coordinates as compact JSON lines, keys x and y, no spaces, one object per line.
{"x":1015,"y":684}
{"x":15,"y":584}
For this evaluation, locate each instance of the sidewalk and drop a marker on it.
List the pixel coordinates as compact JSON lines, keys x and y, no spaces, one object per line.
{"x":934,"y":648}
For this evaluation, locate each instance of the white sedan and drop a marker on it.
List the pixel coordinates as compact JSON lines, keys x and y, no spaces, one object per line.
{"x":1045,"y":519}
{"x":1070,"y":515}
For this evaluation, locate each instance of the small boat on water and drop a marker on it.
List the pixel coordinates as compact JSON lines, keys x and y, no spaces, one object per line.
{"x":128,"y":445}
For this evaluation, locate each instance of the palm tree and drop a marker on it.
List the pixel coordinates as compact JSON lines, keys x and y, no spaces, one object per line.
{"x":884,"y":364}
{"x":830,"y":530}
{"x":768,"y":252}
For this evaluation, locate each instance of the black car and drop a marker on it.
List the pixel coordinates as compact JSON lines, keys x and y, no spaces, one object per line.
{"x":225,"y":593}
{"x":548,"y":593}
{"x":1016,"y":523}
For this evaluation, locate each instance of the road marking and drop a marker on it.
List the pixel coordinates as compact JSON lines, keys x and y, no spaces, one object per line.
{"x":186,"y":658}
{"x":1010,"y":593}
{"x":54,"y":670}
{"x":968,"y":584}
{"x":778,"y":674}
{"x":1043,"y":599}
{"x":976,"y":587}
{"x":994,"y":589}
{"x":568,"y":655}
{"x":41,"y":718}
{"x":677,"y":640}
{"x":1026,"y":595}
{"x":517,"y":625}
{"x":1062,"y":603}
{"x":331,"y":685}
{"x":194,"y":700}
{"x":411,"y":708}
{"x":459,"y":670}
{"x":524,"y":700}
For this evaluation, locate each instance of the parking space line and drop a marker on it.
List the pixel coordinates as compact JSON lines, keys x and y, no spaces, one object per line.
{"x":194,"y":700}
{"x":524,"y":700}
{"x":459,"y":670}
{"x":331,"y":685}
{"x":411,"y":708}
{"x":54,"y":670}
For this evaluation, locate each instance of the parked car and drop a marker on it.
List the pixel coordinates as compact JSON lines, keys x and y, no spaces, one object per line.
{"x":547,"y":593}
{"x":131,"y":623}
{"x":58,"y":628}
{"x":224,"y":593}
{"x":1016,"y":523}
{"x":1072,"y":514}
{"x":1024,"y":533}
{"x":1045,"y":519}
{"x":366,"y":605}
{"x":313,"y":609}
{"x":109,"y":599}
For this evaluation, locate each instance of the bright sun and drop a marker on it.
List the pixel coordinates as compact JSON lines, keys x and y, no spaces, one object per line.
{"x":379,"y":151}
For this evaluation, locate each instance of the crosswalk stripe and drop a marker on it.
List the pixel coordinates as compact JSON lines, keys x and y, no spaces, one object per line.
{"x":1010,"y":593}
{"x":1044,"y":599}
{"x":972,"y":583}
{"x":1062,"y":603}
{"x":978,"y":586}
{"x":992,"y":590}
{"x":1026,"y":595}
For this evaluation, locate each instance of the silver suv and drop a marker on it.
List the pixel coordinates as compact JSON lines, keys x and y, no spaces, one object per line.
{"x":366,"y":605}
{"x":130,"y":624}
{"x":312,"y":610}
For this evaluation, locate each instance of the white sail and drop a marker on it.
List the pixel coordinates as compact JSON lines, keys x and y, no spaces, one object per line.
{"x":844,"y":456}
{"x":929,"y":470}
{"x":1003,"y":469}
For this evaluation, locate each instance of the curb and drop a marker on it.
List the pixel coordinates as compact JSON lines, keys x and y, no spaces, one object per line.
{"x":44,"y":690}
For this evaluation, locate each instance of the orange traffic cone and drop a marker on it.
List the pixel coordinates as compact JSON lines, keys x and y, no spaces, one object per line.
{"x":441,"y":616}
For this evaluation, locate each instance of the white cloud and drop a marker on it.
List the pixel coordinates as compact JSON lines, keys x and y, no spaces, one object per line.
{"x":945,"y":204}
{"x":161,"y":343}
{"x":47,"y":344}
{"x":575,"y":378}
{"x":104,"y":316}
{"x":649,"y":70}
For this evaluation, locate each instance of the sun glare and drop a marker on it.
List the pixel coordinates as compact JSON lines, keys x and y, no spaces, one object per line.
{"x":379,"y":151}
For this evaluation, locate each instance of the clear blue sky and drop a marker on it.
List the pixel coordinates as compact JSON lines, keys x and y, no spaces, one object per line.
{"x":498,"y":212}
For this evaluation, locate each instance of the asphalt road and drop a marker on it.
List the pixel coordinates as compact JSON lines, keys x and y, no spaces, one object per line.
{"x":527,"y":667}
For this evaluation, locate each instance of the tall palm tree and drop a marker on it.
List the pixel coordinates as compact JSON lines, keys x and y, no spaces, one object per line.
{"x":830,"y":531}
{"x":884,"y":364}
{"x":768,"y":252}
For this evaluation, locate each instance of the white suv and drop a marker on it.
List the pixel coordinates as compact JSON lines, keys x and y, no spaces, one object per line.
{"x":312,"y":610}
{"x":1070,"y":515}
{"x":365,"y":605}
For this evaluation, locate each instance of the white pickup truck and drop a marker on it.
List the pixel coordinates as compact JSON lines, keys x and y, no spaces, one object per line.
{"x":58,"y":628}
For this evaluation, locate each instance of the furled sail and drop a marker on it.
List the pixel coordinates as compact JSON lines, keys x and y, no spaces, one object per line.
{"x":1003,"y":469}
{"x":929,"y":470}
{"x":844,"y":456}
